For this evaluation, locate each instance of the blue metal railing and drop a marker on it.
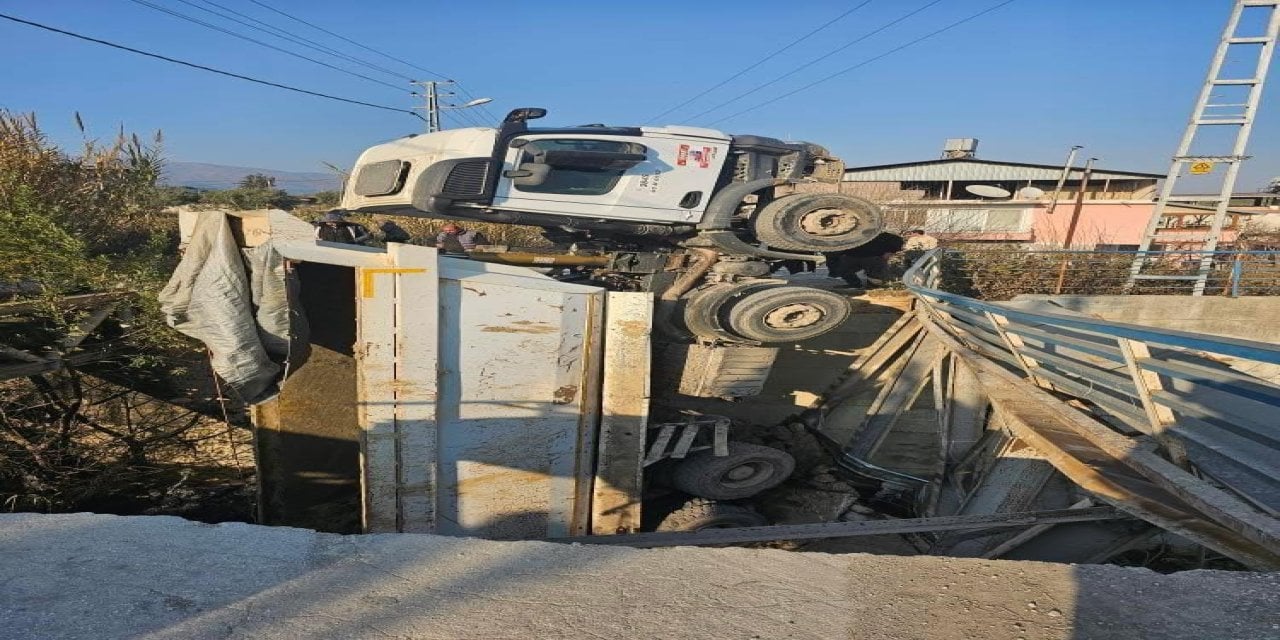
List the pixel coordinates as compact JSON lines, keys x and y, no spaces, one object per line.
{"x":924,"y":277}
{"x":1156,"y":381}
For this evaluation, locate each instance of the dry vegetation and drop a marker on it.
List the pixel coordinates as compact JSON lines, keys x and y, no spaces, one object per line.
{"x":139,"y":430}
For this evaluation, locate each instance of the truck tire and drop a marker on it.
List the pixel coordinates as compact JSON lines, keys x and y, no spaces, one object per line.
{"x":703,"y":309}
{"x":699,"y":514}
{"x":772,"y":314}
{"x":818,"y":222}
{"x":746,"y":471}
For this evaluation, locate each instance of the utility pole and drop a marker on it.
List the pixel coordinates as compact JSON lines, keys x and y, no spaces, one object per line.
{"x":1062,"y":180}
{"x":1071,"y":226}
{"x":431,"y":93}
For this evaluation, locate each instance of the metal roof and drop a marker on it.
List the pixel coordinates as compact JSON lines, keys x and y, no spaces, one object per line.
{"x":974,"y":170}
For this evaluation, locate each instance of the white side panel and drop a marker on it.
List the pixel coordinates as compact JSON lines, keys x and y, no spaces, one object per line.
{"x":624,"y":413}
{"x":514,"y":404}
{"x":417,"y":359}
{"x":375,"y":358}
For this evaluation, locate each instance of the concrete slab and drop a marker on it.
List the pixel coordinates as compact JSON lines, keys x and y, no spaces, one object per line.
{"x":102,"y":577}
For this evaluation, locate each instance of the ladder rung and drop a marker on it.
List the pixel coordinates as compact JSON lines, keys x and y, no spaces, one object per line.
{"x":1144,"y":276}
{"x":1237,"y":81}
{"x":1229,"y":104}
{"x":1215,"y":121}
{"x":1250,"y":40}
{"x":1261,"y":3}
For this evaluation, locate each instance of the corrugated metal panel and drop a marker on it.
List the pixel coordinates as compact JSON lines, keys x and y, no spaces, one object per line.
{"x":970,"y":171}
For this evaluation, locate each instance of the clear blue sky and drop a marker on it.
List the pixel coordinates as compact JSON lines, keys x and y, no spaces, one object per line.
{"x":1029,"y":80}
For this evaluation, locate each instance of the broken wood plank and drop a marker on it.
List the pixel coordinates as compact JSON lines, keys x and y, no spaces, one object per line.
{"x":902,"y":390}
{"x":1120,"y":471}
{"x":1011,"y":485}
{"x":1160,"y":418}
{"x":868,"y":365}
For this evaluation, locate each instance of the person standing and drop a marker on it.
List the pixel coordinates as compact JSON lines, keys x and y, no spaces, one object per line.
{"x":455,"y":239}
{"x":334,"y":227}
{"x":392,"y":232}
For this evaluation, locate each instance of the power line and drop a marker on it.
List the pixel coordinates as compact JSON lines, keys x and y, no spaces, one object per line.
{"x":763,"y":60}
{"x":348,"y":40}
{"x":204,"y":68}
{"x":261,"y":43}
{"x":372,"y":50}
{"x":814,"y":61}
{"x":270,"y":29}
{"x":870,"y":60}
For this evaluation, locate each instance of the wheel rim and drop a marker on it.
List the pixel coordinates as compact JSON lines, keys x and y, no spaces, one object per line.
{"x":794,"y":316}
{"x":748,"y":473}
{"x":829,"y":222}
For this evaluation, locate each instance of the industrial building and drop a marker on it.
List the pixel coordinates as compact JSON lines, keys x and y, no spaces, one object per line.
{"x":951,"y":198}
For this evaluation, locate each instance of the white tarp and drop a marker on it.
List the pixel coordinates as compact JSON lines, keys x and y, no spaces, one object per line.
{"x":235,"y":303}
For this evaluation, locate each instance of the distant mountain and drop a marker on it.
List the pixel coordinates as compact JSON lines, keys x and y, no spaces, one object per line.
{"x":219,"y":176}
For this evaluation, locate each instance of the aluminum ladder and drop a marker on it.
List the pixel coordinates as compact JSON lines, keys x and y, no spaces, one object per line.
{"x":1210,"y":114}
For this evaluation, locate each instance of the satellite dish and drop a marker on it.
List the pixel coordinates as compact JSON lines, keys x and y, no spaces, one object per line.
{"x":1030,"y":193}
{"x":987,"y":191}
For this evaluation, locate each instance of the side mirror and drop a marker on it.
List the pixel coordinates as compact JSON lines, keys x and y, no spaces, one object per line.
{"x":526,"y":113}
{"x":528,"y":174}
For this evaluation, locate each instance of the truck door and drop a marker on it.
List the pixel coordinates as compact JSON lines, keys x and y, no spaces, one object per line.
{"x":648,"y":178}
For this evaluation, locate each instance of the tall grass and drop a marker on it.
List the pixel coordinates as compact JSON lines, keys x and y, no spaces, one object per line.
{"x":89,"y":221}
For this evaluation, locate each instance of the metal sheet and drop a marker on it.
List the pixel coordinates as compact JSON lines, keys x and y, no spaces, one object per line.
{"x":375,"y":374}
{"x":478,"y":397}
{"x":514,"y":404}
{"x":615,"y":504}
{"x":416,"y":351}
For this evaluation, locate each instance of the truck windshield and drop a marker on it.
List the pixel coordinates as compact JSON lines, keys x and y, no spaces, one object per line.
{"x":576,"y":180}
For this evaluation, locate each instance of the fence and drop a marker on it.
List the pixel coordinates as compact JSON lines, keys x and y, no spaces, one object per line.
{"x":1186,"y":391}
{"x":1002,"y":273}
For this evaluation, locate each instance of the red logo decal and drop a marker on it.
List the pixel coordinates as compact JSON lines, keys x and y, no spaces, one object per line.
{"x":682,"y":158}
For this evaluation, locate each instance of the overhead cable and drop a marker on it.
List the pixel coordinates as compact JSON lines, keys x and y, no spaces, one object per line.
{"x":384,"y":54}
{"x":816,"y":60}
{"x":763,"y":60}
{"x":241,"y":36}
{"x":870,"y":60}
{"x":270,"y":29}
{"x":205,"y":68}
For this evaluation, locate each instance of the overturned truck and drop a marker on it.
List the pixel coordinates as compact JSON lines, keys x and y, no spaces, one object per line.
{"x":476,"y":394}
{"x":400,"y":389}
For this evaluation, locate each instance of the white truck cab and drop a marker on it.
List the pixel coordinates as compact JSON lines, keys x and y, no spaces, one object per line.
{"x":669,"y":184}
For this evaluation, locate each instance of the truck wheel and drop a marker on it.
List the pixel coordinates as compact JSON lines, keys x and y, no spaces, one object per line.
{"x":818,"y":222}
{"x":705,"y":309}
{"x":699,"y":514}
{"x":746,"y":471}
{"x":772,"y":314}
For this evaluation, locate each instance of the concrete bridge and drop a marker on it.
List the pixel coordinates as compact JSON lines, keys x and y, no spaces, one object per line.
{"x":1063,"y":428}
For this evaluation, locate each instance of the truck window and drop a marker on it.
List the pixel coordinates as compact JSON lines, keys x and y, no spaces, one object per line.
{"x":576,"y":180}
